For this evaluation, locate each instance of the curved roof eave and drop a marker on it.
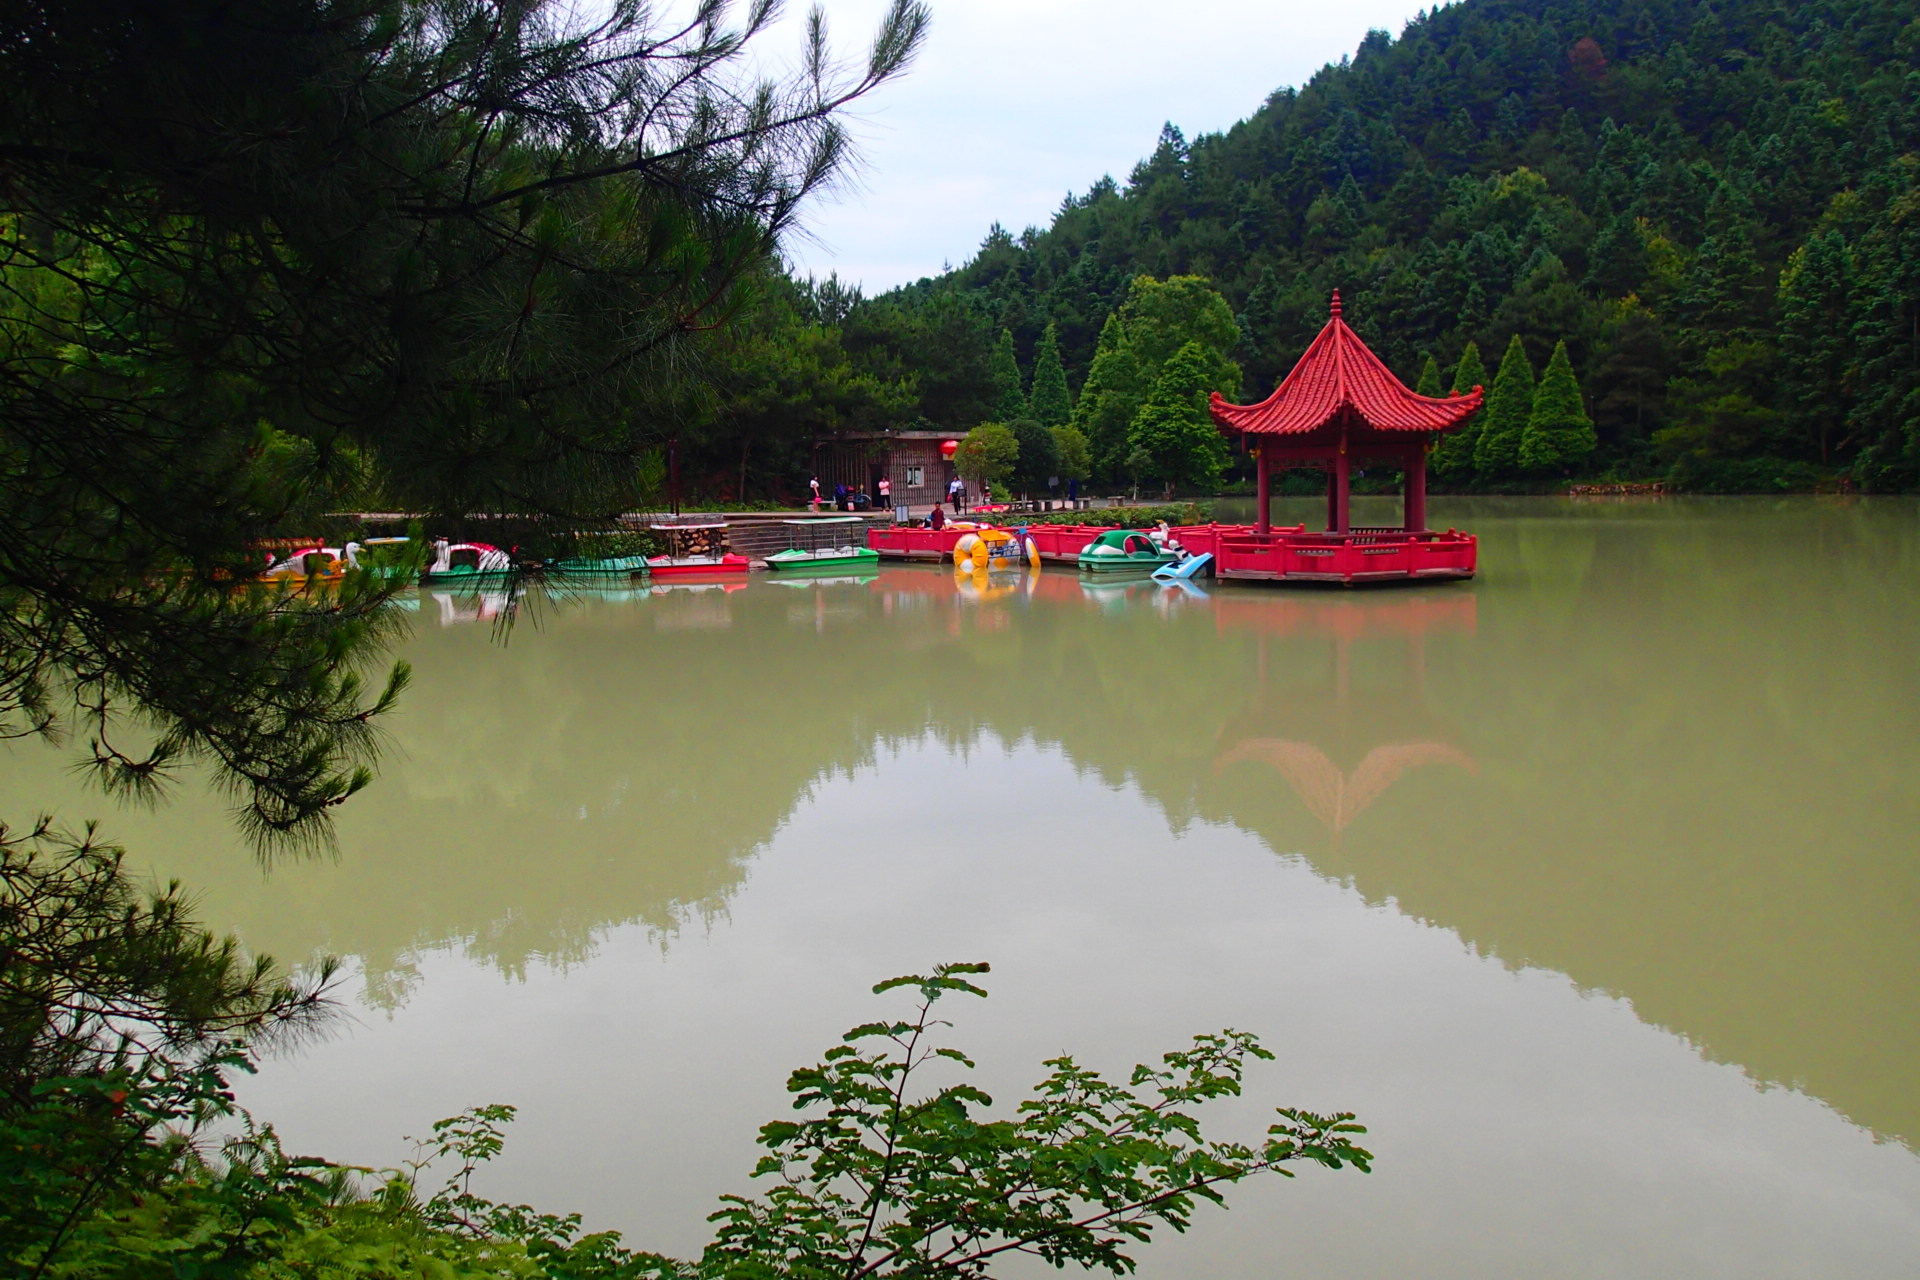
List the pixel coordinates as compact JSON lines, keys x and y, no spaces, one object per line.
{"x":1339,"y":373}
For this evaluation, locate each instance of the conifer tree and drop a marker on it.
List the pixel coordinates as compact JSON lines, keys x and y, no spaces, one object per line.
{"x":1173,"y":433}
{"x":1816,"y":291}
{"x":1051,"y":405}
{"x":1559,"y":433}
{"x":1453,"y":458}
{"x":1010,"y":402}
{"x":1497,"y":451}
{"x":241,"y":287}
{"x":1471,"y":372}
{"x":1429,"y":384}
{"x":1108,"y":399}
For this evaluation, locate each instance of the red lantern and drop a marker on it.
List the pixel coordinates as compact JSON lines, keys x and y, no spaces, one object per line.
{"x":948,"y":448}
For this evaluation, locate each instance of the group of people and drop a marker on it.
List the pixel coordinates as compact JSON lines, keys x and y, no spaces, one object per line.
{"x":857,"y":499}
{"x":845,"y":499}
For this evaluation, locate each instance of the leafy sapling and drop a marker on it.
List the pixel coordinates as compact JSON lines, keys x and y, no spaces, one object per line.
{"x":883,"y":1179}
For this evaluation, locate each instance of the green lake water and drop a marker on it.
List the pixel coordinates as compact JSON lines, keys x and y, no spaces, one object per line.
{"x":1593,"y":885}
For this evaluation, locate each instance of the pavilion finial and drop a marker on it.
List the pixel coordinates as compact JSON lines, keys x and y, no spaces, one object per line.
{"x":1336,"y":304}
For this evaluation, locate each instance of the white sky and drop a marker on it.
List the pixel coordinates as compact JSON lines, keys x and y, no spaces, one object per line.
{"x":1014,"y":103}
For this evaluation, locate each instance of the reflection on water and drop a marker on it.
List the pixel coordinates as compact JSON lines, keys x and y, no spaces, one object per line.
{"x":1664,"y":749}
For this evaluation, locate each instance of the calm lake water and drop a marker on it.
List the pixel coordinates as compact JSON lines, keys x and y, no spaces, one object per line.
{"x":1593,"y":886}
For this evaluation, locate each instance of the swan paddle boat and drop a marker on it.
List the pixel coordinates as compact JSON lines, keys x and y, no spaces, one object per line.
{"x":467,"y":562}
{"x":823,"y":546}
{"x":309,"y":564}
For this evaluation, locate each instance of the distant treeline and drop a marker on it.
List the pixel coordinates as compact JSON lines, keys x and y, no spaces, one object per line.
{"x":1717,"y":208}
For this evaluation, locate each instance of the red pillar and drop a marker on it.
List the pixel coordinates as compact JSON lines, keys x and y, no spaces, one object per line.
{"x":1342,"y":474}
{"x":1415,"y":520}
{"x":1263,"y":520}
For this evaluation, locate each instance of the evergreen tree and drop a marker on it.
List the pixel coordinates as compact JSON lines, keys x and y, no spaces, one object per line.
{"x":1497,"y":451}
{"x":1817,"y":348}
{"x":1173,"y":433}
{"x":239,"y":288}
{"x":1559,"y":433}
{"x":1429,"y":384}
{"x":1010,"y":401}
{"x":1052,"y":405}
{"x":1109,"y":398}
{"x":1453,"y":457}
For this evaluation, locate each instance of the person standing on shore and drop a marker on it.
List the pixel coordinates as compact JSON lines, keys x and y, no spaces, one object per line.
{"x":814,"y":503}
{"x":886,"y":493}
{"x":955,"y":494}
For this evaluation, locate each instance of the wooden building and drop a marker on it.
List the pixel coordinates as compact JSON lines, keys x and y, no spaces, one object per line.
{"x":911,"y":460}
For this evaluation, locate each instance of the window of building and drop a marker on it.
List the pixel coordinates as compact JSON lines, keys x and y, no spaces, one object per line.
{"x":916,"y":477}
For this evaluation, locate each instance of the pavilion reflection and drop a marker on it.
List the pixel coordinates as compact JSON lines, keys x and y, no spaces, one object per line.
{"x":1341,"y":736}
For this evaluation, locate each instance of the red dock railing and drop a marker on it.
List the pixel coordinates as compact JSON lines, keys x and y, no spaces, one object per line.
{"x":1364,"y":555}
{"x":1282,"y":555}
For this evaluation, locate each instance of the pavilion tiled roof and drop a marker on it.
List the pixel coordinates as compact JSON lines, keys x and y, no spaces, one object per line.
{"x":1339,"y":373}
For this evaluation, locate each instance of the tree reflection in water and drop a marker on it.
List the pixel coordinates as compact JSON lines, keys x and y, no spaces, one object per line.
{"x":1667,"y":751}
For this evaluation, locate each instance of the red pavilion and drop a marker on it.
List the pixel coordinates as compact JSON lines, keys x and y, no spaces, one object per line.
{"x":1341,"y":407}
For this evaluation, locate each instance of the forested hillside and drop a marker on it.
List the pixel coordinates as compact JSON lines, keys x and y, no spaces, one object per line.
{"x":1716,"y":207}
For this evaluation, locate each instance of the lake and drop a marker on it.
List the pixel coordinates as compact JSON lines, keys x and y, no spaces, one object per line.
{"x":1592,"y":886}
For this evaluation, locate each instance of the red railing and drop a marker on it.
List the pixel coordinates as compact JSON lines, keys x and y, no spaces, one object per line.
{"x":1360,"y":556}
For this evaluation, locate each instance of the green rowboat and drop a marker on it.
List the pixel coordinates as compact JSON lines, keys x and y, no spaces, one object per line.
{"x":824,"y":546}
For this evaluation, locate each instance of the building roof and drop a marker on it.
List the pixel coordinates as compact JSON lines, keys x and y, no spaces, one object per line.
{"x":1340,"y":374}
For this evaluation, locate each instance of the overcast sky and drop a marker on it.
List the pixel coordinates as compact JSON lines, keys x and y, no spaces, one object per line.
{"x":1014,"y":103}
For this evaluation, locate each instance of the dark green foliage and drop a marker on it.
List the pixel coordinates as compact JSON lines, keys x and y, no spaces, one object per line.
{"x":1039,"y":456}
{"x":1172,"y":436}
{"x":98,"y":978}
{"x":1109,"y":399}
{"x":261,"y":259}
{"x":1632,"y":181}
{"x":1010,"y":401}
{"x":1559,"y":434}
{"x":1051,"y":403}
{"x":118,"y":1017}
{"x":1129,"y":517}
{"x":1075,"y":455}
{"x":1497,"y":452}
{"x":1816,"y":350}
{"x":1452,"y":458}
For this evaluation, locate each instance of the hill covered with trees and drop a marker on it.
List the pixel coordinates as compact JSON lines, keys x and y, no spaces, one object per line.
{"x":1715,"y":207}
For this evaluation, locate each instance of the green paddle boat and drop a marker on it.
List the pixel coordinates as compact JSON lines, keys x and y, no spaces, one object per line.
{"x":1125,"y":551}
{"x":824,"y":546}
{"x":599,"y":568}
